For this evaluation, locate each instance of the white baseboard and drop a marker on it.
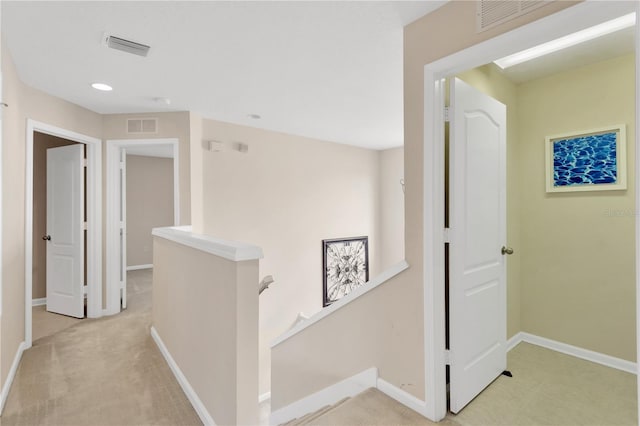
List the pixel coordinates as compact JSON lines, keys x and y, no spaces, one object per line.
{"x":136,"y":267}
{"x":12,"y":374}
{"x":402,"y":396}
{"x":514,"y":340}
{"x":586,"y":354}
{"x":264,"y":397}
{"x":327,"y":396}
{"x":39,"y":302}
{"x":197,"y":404}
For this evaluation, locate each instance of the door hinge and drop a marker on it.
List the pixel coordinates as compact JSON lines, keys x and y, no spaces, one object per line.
{"x":84,"y":289}
{"x":85,"y":226}
{"x":446,"y":234}
{"x":121,"y":285}
{"x":446,"y":113}
{"x":84,"y":162}
{"x":121,"y":165}
{"x":447,"y":357}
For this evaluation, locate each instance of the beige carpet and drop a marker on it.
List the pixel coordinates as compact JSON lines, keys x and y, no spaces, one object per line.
{"x":47,"y":324}
{"x":109,"y":372}
{"x":100,"y":372}
{"x":550,"y":388}
{"x":370,"y":408}
{"x":547,"y":388}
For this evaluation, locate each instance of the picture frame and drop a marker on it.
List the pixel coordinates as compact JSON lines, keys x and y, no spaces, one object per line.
{"x":590,"y":160}
{"x":345,"y":267}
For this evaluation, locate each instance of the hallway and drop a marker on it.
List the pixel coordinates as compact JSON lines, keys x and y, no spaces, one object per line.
{"x":100,"y":372}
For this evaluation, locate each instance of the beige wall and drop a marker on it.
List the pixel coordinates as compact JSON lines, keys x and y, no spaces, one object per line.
{"x":489,"y":80}
{"x":28,"y":103}
{"x":170,"y":125}
{"x":195,"y":168}
{"x":286,"y":195}
{"x":149,"y":204}
{"x":391,"y":207}
{"x":205,"y":309}
{"x":578,"y":249}
{"x":24,"y":102}
{"x":41,"y":142}
{"x":398,"y":322}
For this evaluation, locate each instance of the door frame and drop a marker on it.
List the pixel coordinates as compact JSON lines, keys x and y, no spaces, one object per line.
{"x":556,"y":25}
{"x":113,"y":147}
{"x":94,"y":215}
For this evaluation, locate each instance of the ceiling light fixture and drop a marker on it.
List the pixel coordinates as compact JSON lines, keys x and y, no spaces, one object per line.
{"x":254,"y":116}
{"x":599,"y":30}
{"x":101,"y":86}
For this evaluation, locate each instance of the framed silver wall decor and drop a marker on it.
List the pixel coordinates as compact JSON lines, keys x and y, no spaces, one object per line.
{"x":345,"y":266}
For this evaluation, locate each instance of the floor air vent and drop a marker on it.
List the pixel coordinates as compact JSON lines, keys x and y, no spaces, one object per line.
{"x":494,"y":12}
{"x":127,"y":45}
{"x":142,"y":125}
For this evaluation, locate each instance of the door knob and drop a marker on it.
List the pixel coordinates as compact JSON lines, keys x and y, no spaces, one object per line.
{"x":506,"y":250}
{"x":47,"y":238}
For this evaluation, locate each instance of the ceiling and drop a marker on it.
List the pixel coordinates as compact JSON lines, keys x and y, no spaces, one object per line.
{"x":320,"y":69}
{"x":589,"y":52}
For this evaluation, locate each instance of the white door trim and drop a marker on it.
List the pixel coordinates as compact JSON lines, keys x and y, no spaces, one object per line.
{"x":113,"y":148}
{"x":2,"y":107}
{"x":557,"y":25}
{"x":94,"y":216}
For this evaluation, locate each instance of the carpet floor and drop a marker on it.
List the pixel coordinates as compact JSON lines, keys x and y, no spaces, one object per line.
{"x":547,"y":388}
{"x":100,"y":372}
{"x":47,"y":324}
{"x":551,"y":388}
{"x":109,"y":372}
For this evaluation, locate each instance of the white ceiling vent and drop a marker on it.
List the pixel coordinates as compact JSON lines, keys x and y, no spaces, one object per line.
{"x":142,"y":125}
{"x":127,"y":45}
{"x":494,"y":12}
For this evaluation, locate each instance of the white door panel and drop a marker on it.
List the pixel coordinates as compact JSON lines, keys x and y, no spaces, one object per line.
{"x":65,"y":217}
{"x":477,"y":280}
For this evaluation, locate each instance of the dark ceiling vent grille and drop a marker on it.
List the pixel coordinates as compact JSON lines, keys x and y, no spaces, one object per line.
{"x":494,"y":12}
{"x":127,"y":46}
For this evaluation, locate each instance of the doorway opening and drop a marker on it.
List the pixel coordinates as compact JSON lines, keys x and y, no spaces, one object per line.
{"x":562,"y":23}
{"x":119,"y":261}
{"x":92,"y":275}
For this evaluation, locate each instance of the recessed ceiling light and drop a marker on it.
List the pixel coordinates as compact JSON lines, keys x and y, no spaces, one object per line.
{"x":254,"y":116}
{"x":102,"y":86}
{"x":600,"y":30}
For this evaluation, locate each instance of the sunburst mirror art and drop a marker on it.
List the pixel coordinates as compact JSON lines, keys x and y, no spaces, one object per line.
{"x":345,"y":264}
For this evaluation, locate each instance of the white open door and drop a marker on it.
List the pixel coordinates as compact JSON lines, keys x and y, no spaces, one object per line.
{"x":477,"y":273}
{"x":65,"y":230}
{"x":123,"y":227}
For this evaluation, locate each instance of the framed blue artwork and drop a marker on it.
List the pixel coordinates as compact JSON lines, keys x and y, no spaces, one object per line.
{"x":593,"y":160}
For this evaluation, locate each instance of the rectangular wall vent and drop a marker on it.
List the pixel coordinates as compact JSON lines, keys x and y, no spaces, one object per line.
{"x":127,"y":46}
{"x":495,"y":12}
{"x":142,"y":125}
